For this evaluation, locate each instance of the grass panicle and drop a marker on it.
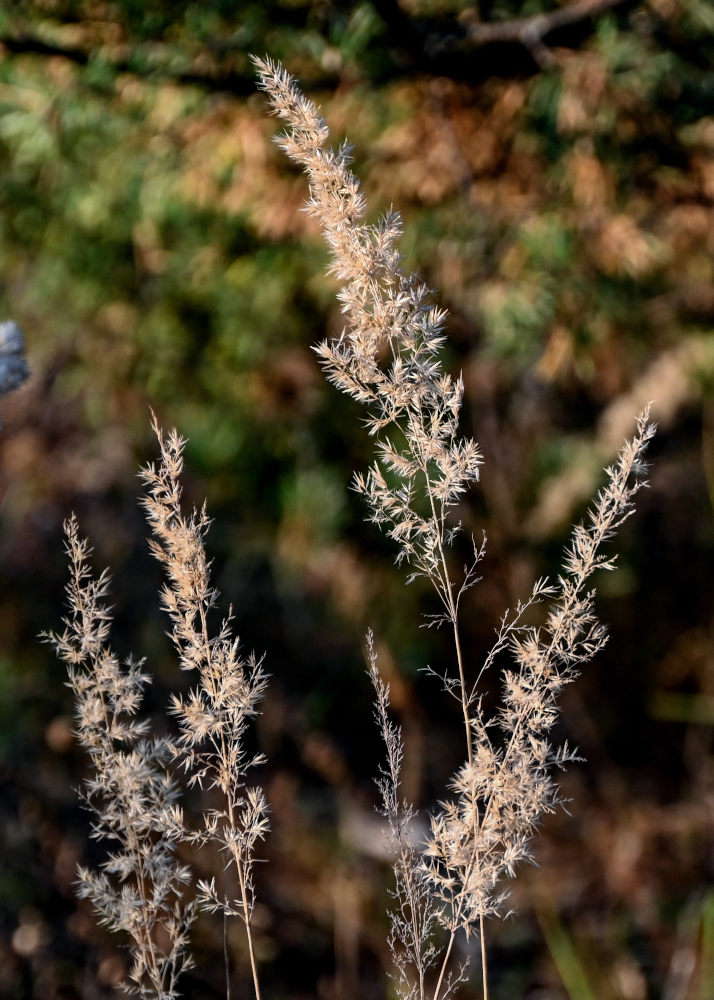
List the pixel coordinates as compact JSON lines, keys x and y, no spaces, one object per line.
{"x":133,"y":794}
{"x":133,"y":798}
{"x":214,"y":717}
{"x":387,"y":358}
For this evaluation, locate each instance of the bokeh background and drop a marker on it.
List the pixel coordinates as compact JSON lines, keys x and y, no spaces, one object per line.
{"x":557,"y":189}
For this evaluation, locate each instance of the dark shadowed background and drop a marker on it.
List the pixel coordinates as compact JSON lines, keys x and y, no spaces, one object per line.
{"x":557,"y":187}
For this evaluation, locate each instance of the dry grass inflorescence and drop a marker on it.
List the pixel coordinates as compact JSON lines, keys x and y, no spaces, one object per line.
{"x":387,"y":358}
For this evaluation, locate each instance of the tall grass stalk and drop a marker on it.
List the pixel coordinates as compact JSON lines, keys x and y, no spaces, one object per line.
{"x":387,"y":358}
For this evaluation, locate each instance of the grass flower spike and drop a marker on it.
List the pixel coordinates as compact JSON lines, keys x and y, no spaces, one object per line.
{"x":133,"y":798}
{"x":214,"y":716}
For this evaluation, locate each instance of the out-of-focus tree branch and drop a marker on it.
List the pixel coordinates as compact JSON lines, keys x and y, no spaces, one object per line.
{"x":532,"y":31}
{"x":414,"y":45}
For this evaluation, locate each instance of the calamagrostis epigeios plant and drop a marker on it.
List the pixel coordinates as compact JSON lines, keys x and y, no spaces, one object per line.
{"x":133,"y":799}
{"x":214,"y":716}
{"x":387,"y":358}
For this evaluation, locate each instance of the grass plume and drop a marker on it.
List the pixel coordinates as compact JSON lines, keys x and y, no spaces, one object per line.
{"x":132,"y":793}
{"x":387,"y":359}
{"x":133,"y":798}
{"x":214,"y":716}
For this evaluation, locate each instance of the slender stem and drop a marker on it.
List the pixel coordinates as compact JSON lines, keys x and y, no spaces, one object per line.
{"x":226,"y":962}
{"x":240,"y":866}
{"x":416,"y":933}
{"x":246,"y":917}
{"x":447,"y":956}
{"x":484,"y":965}
{"x":448,"y":598}
{"x":451,"y":604}
{"x":462,"y":682}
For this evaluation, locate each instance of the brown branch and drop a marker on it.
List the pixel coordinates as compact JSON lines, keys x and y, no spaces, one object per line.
{"x":531,"y":31}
